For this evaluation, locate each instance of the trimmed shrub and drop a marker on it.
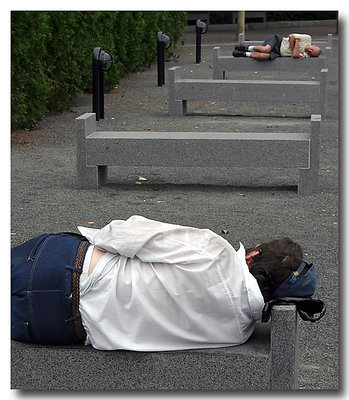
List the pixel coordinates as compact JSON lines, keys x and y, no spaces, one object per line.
{"x":30,"y":84}
{"x":51,"y":54}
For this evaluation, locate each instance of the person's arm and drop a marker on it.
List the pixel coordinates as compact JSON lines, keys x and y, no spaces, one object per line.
{"x":150,"y":241}
{"x":294,"y":46}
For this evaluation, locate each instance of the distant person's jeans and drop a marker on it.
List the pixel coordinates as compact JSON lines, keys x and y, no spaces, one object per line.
{"x":41,"y":287}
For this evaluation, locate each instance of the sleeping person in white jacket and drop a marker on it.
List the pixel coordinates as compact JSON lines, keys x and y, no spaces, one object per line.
{"x":152,"y":286}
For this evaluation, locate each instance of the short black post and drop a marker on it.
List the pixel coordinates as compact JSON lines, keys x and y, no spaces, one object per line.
{"x":201,"y":28}
{"x":96,"y":83}
{"x":161,"y":59}
{"x":163,"y":43}
{"x":198,"y":45}
{"x":102,"y":61}
{"x":101,"y":94}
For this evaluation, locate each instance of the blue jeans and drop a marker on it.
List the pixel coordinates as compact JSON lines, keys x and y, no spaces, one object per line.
{"x":41,"y":287}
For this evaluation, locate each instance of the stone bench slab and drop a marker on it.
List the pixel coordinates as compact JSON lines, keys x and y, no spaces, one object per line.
{"x":253,"y":90}
{"x":96,"y":150}
{"x":198,"y":149}
{"x":249,"y":366}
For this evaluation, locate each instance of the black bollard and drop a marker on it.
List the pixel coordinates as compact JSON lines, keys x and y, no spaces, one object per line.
{"x":102,"y":61}
{"x":163,"y":42}
{"x":160,"y":54}
{"x":201,"y":28}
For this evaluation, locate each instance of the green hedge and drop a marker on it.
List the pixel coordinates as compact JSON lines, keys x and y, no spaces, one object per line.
{"x":51,"y":54}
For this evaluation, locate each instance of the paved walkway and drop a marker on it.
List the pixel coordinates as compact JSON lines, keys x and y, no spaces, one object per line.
{"x":253,"y":205}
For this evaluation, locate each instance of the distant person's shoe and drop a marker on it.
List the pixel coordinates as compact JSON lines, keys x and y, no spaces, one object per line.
{"x":238,"y":53}
{"x":241,"y":47}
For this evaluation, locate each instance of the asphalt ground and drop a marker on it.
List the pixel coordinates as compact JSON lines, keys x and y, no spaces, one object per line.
{"x":253,"y":205}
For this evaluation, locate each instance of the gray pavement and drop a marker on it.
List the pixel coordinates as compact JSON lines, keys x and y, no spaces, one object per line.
{"x":253,"y":205}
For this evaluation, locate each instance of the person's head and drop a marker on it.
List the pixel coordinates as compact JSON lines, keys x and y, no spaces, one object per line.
{"x":312,"y":50}
{"x":271,"y":263}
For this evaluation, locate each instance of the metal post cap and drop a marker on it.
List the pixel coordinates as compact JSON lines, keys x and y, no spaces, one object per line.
{"x":164,"y":38}
{"x":201,"y":25}
{"x":106,"y":60}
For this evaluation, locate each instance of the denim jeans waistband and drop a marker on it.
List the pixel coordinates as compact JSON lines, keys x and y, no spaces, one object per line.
{"x":41,"y":289}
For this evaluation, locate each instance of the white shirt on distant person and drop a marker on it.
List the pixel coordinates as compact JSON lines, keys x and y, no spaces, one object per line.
{"x":304,"y":41}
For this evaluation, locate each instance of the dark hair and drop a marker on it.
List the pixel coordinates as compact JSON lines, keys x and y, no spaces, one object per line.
{"x":275,"y":262}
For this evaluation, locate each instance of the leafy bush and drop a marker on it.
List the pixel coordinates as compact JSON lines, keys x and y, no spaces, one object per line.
{"x":30,"y":84}
{"x":51,"y":54}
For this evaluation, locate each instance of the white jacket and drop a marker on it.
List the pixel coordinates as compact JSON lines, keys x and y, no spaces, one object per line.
{"x":167,"y":287}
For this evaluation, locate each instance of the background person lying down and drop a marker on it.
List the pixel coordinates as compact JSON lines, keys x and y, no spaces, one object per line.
{"x":295,"y":45}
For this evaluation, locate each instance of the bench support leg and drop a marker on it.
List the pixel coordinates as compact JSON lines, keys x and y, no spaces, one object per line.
{"x":87,"y":176}
{"x":217,"y":72}
{"x":323,"y":92}
{"x":102,"y":175}
{"x":309,"y":178}
{"x":284,"y":348}
{"x":175,"y":107}
{"x":184,"y":107}
{"x":178,"y":108}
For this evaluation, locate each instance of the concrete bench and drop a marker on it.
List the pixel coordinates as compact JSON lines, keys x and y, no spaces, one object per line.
{"x":253,"y":90}
{"x":98,"y":149}
{"x":316,"y":66}
{"x":267,"y":361}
